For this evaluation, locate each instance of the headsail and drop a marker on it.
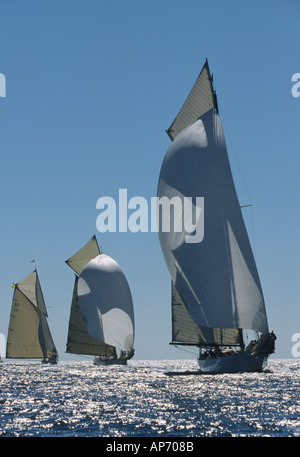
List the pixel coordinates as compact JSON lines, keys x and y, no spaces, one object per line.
{"x":216,"y":278}
{"x":28,"y":333}
{"x":105,"y":302}
{"x":79,"y":340}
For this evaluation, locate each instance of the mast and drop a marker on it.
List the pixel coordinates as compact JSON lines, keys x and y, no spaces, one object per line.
{"x":241,"y":338}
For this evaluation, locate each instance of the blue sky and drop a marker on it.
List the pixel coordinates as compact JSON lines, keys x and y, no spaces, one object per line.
{"x":91,"y":87}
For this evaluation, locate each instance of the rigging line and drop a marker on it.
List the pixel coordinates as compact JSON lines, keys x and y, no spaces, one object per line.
{"x":235,"y":155}
{"x":243,"y":179}
{"x":253,"y":232}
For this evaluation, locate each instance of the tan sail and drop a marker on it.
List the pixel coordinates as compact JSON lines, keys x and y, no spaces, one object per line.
{"x":79,"y":260}
{"x":29,"y":335}
{"x":200,"y":100}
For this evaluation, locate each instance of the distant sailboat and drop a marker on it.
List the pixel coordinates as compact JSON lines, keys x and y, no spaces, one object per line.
{"x":216,"y":291}
{"x":29,"y":335}
{"x":102,"y":316}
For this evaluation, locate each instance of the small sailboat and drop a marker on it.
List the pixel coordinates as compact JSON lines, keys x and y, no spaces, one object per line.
{"x":217,"y":298}
{"x":29,"y":336}
{"x":102,"y":316}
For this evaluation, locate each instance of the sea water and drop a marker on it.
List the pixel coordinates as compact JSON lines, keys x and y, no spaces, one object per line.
{"x":79,"y":399}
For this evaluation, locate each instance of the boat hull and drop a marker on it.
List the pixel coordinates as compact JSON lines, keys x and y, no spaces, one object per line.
{"x":110,"y":362}
{"x":233,"y":363}
{"x":53,"y":361}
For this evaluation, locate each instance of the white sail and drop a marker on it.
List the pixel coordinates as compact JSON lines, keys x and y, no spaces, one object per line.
{"x":79,"y":340}
{"x":217,"y":277}
{"x":105,"y":303}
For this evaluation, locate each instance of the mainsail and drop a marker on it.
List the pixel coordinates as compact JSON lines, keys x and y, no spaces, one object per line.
{"x":28,"y":333}
{"x":101,"y":318}
{"x":185,"y":331}
{"x":216,"y":279}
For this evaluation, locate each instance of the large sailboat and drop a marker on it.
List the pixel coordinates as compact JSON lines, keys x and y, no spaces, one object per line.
{"x":102,"y":317}
{"x":29,"y":336}
{"x":217,"y":299}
